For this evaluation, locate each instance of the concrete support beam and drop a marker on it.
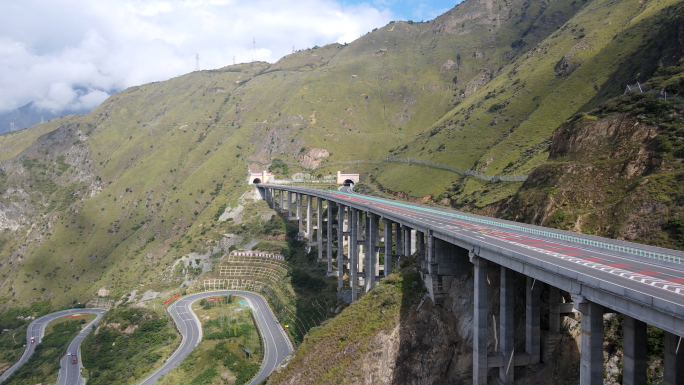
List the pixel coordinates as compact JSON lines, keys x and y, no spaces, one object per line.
{"x":554,"y":310}
{"x":289,"y":204}
{"x":319,"y":227}
{"x":673,"y":362}
{"x":413,"y":241}
{"x":533,"y":320}
{"x":591,"y":342}
{"x":407,"y":240}
{"x":480,"y":367}
{"x":340,"y":245}
{"x":370,"y":251}
{"x":634,"y":342}
{"x":399,"y":245}
{"x":353,"y":253}
{"x":507,"y":325}
{"x":309,"y":225}
{"x":388,"y":246}
{"x":329,"y":236}
{"x":280,"y":200}
{"x":420,"y":245}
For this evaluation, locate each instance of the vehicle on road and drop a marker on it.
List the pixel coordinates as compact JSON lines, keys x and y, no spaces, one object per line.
{"x":73,"y":358}
{"x":33,"y":339}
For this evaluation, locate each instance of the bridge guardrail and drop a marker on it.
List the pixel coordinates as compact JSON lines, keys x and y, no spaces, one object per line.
{"x":563,"y":237}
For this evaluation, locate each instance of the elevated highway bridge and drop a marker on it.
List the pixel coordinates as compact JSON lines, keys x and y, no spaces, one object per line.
{"x":644,"y":283}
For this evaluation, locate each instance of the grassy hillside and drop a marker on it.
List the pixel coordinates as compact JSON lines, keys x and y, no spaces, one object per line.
{"x":505,"y":126}
{"x":104,"y":199}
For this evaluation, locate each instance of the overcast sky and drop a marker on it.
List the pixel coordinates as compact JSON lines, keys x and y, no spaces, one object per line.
{"x":72,"y":54}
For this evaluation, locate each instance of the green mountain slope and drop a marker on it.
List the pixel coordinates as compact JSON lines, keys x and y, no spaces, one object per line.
{"x":106,"y":198}
{"x":505,"y":126}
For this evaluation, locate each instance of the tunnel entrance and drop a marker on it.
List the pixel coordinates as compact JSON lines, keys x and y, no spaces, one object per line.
{"x":256,"y":181}
{"x":348,"y":183}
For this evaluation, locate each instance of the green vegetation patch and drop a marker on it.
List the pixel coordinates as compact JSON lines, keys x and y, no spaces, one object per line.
{"x":130,"y":343}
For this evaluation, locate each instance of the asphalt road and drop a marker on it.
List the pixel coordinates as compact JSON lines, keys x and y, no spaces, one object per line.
{"x":70,"y":374}
{"x":665,"y":282}
{"x":277,"y":345}
{"x":36,"y":329}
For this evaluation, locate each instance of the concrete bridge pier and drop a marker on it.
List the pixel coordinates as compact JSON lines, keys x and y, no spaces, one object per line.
{"x":591,"y":341}
{"x":340,"y":245}
{"x":289,"y":205}
{"x":371,"y":255}
{"x":406,"y":237}
{"x":398,"y":245}
{"x":533,"y":319}
{"x":353,"y":253}
{"x":280,"y":200}
{"x":414,"y":237}
{"x":329,"y":238}
{"x":634,"y":360}
{"x":673,"y":363}
{"x":507,"y":325}
{"x":420,"y":243}
{"x":319,"y":228}
{"x":388,"y":247}
{"x":309,"y":225}
{"x":480,"y":367}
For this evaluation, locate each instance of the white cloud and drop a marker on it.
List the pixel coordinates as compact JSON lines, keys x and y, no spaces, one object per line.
{"x":70,"y":54}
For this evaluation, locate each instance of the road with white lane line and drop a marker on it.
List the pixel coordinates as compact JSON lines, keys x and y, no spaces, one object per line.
{"x":36,"y":329}
{"x":276,"y":344}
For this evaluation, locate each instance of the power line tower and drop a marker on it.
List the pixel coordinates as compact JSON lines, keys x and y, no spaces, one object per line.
{"x":233,"y":60}
{"x":292,"y":49}
{"x":254,"y":56}
{"x":197,"y":62}
{"x":12,"y":126}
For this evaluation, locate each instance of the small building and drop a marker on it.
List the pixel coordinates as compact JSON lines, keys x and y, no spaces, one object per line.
{"x":347,"y":179}
{"x":262,"y":177}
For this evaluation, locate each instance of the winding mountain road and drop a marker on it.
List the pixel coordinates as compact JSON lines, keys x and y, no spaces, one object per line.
{"x":70,"y":374}
{"x":277,"y":345}
{"x":36,"y":330}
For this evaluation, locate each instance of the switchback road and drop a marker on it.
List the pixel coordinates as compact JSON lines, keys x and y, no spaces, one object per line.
{"x":276,"y":344}
{"x":36,"y":330}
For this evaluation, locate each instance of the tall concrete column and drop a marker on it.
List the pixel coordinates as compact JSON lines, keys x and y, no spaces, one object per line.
{"x":388,"y":246}
{"x":533,"y":320}
{"x":299,"y":212}
{"x":480,"y":368}
{"x":280,"y":200}
{"x":328,"y":229}
{"x":634,"y":342}
{"x":309,"y":225}
{"x":673,"y":362}
{"x":591,"y":342}
{"x":353,"y":252}
{"x":289,"y":204}
{"x":361,"y":237}
{"x":319,"y":227}
{"x":507,"y":325}
{"x":554,"y":309}
{"x":413,"y":241}
{"x":371,"y":263}
{"x":407,"y":241}
{"x":420,"y":245}
{"x":430,"y":247}
{"x":399,"y":245}
{"x":340,"y":245}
